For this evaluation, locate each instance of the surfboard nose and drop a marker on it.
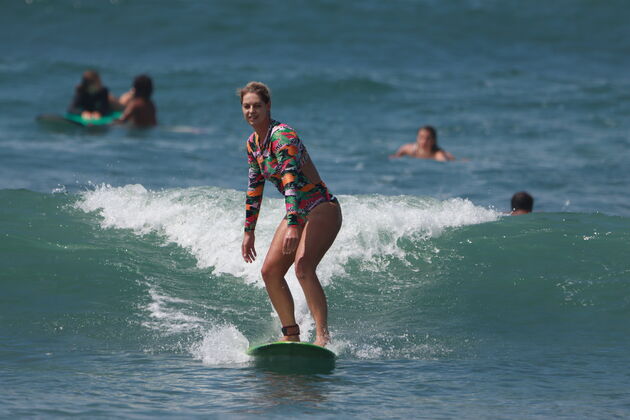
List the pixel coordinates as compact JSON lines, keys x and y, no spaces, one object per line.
{"x":292,"y":357}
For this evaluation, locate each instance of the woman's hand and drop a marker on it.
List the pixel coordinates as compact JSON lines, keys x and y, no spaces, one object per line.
{"x":291,"y":240}
{"x":247,"y":249}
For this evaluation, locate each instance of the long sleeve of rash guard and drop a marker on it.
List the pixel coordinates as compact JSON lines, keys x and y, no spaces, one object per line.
{"x":287,"y":151}
{"x":255,"y":187}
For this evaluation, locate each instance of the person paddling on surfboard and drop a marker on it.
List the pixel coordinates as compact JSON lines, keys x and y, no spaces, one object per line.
{"x":313,"y":215}
{"x":91,"y":99}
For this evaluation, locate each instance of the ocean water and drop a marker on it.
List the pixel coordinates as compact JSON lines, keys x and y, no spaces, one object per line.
{"x":122,"y":290}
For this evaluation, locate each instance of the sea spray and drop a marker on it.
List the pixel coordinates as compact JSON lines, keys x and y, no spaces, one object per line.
{"x":221,"y":345}
{"x":167,"y":314}
{"x":207,"y":222}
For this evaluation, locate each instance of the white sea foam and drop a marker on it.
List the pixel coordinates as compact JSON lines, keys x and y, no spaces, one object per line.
{"x":221,"y":345}
{"x":208,"y":223}
{"x":168,"y":316}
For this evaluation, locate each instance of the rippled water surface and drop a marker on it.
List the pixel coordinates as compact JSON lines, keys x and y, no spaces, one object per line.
{"x":123,"y":293}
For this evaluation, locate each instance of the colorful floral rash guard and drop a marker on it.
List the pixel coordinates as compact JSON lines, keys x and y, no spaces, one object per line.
{"x":280,"y":159}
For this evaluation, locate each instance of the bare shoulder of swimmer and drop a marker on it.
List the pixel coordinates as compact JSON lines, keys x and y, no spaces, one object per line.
{"x":443,"y":156}
{"x":405,"y":150}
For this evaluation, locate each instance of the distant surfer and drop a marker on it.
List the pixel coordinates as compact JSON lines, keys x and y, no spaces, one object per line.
{"x":91,"y":99}
{"x":425,"y":147}
{"x":313,"y":215}
{"x":139,"y":108}
{"x":522,"y":203}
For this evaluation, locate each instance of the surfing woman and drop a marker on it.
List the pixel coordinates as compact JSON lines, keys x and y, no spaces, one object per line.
{"x":313,"y":215}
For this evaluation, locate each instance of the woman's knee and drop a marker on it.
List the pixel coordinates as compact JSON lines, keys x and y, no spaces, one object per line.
{"x":270,"y":273}
{"x":304,"y":269}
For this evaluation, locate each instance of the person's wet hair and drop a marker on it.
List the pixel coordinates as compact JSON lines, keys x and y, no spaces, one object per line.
{"x":143,"y":86}
{"x":258,"y":88}
{"x":89,"y":77}
{"x":522,"y":201}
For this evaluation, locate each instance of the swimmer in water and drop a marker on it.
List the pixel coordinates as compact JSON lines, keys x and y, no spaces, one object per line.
{"x":522,"y":203}
{"x":313,"y":215}
{"x":139,"y":108}
{"x":91,"y":99}
{"x":425,"y":147}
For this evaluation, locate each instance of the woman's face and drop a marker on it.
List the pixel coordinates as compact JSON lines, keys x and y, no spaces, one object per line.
{"x":255,"y":110}
{"x":94,"y":85}
{"x":425,"y":140}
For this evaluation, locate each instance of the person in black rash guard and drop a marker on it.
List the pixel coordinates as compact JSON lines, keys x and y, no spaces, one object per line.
{"x":92,"y":100}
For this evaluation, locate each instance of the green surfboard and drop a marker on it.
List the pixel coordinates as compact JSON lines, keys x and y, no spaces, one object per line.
{"x":78,"y":121}
{"x":290,"y":356}
{"x":106,"y":120}
{"x":291,"y":349}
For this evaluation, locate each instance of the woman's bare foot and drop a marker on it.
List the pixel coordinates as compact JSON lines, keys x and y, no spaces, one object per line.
{"x":322,"y":340}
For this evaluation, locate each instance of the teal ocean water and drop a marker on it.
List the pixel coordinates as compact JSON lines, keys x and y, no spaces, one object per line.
{"x":122,"y":290}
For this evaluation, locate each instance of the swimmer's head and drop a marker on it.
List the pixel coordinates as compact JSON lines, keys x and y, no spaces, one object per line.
{"x":427,"y":138}
{"x":522,"y":203}
{"x":142,"y":86}
{"x":255,"y":104}
{"x":91,"y":81}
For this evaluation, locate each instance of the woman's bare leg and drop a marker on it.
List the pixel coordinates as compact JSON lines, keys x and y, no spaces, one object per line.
{"x":320,"y":231}
{"x":273,"y":270}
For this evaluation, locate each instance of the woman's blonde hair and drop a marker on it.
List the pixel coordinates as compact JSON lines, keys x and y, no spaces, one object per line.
{"x":258,"y":88}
